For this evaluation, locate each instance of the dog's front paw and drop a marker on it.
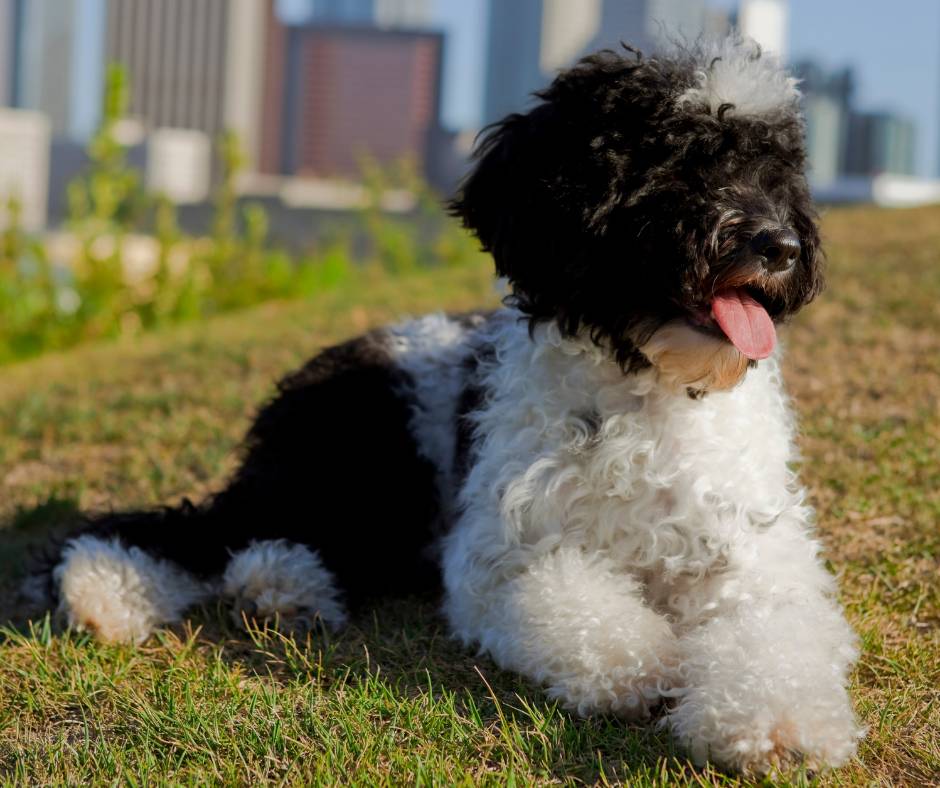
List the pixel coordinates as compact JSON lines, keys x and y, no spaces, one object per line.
{"x":757,"y":739}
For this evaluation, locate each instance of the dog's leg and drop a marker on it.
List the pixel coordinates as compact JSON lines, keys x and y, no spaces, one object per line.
{"x":121,"y":575}
{"x":120,"y":590}
{"x":766,"y":665}
{"x":571,"y":623}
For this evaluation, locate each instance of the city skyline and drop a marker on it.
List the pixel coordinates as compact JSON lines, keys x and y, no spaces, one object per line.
{"x":889,"y":77}
{"x":894,"y":53}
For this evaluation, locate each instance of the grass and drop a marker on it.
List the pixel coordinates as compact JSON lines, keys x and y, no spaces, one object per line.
{"x":392,"y":700}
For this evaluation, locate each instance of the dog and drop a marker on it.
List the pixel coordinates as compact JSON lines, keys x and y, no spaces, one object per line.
{"x":599,"y":474}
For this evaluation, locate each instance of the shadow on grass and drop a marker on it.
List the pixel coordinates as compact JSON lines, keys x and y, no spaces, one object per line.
{"x":24,"y":540}
{"x":404,"y":644}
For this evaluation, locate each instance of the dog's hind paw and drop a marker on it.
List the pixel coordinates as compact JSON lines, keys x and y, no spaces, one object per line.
{"x":120,"y":594}
{"x":281,"y":582}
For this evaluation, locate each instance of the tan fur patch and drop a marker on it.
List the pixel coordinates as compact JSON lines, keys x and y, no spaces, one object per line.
{"x":687,"y":357}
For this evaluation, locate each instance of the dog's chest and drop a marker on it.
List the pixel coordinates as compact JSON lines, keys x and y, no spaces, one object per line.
{"x":577,"y":452}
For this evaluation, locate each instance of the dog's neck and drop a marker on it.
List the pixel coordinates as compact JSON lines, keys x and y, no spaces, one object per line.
{"x":709,"y":365}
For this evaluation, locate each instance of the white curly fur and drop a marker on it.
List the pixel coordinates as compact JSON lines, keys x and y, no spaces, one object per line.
{"x":121,"y":594}
{"x":734,"y":71}
{"x":277,"y":578}
{"x":621,"y":542}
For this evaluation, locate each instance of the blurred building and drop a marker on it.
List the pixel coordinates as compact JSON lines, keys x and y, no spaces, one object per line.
{"x":767,"y":22}
{"x":53,"y":64}
{"x":8,"y":38}
{"x":175,"y":53}
{"x":667,"y":21}
{"x":348,"y":92}
{"x":197,"y":66}
{"x":827,"y":106}
{"x":413,"y":14}
{"x":528,"y":41}
{"x":45,"y":43}
{"x":879,"y":142}
{"x":513,"y":53}
{"x":270,"y":155}
{"x":24,"y":165}
{"x":338,"y":12}
{"x":383,"y":13}
{"x":246,"y":59}
{"x":844,"y":142}
{"x":193,"y":65}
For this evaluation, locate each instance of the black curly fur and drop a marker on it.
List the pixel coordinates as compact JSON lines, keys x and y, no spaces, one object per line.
{"x":610,"y":208}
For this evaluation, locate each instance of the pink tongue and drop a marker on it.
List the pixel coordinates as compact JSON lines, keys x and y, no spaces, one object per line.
{"x":745,"y":322}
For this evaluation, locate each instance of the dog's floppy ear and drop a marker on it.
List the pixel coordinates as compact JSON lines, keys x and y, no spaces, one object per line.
{"x":499,"y":191}
{"x":812,"y":258}
{"x":540,"y":179}
{"x":514,"y":201}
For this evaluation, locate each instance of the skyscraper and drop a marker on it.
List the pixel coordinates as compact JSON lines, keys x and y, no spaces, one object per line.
{"x":404,"y":13}
{"x":343,"y":11}
{"x":841,"y":140}
{"x":514,"y":50}
{"x":766,"y":22}
{"x":195,"y":65}
{"x":55,"y":63}
{"x":880,"y":142}
{"x":352,"y":91}
{"x":303,"y":12}
{"x":270,"y":159}
{"x":385,"y":13}
{"x":175,"y":53}
{"x":567,"y":30}
{"x":827,"y":101}
{"x":46,"y":44}
{"x":243,"y":108}
{"x":530,"y":40}
{"x":8,"y":41}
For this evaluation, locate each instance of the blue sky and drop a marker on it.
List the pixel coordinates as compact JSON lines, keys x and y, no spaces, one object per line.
{"x":893,"y":46}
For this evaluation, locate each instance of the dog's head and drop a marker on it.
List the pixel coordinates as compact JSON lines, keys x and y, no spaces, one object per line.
{"x":658,"y":204}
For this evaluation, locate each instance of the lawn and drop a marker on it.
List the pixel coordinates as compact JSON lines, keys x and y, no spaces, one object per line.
{"x":392,"y":699}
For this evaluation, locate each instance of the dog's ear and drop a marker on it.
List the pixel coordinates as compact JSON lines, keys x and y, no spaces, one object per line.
{"x":813,"y":259}
{"x":514,"y":201}
{"x":543,"y":182}
{"x":497,"y":196}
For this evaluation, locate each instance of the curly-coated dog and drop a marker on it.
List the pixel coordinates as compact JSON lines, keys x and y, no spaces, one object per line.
{"x":600,"y":472}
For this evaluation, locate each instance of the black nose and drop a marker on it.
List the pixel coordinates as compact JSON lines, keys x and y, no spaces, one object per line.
{"x":780,"y":248}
